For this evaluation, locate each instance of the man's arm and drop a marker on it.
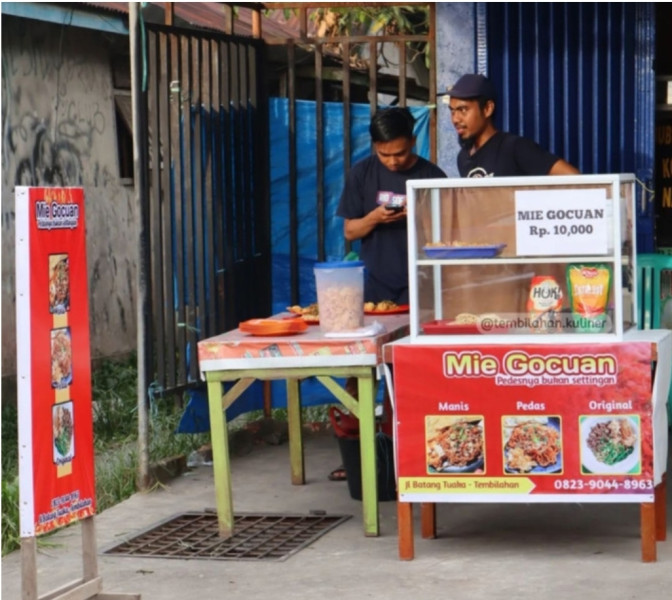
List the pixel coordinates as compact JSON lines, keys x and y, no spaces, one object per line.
{"x":355,"y":229}
{"x":562,"y":167}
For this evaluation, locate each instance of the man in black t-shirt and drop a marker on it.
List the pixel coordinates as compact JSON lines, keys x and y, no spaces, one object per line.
{"x":373,"y":203}
{"x":487,"y":152}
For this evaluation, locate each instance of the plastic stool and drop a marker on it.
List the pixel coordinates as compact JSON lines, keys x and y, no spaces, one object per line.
{"x":649,"y":297}
{"x":649,"y":271}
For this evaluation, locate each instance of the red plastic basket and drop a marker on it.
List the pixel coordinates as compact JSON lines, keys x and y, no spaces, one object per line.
{"x":345,"y":425}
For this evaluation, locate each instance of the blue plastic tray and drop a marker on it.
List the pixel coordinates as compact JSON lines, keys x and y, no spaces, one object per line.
{"x":463,"y":251}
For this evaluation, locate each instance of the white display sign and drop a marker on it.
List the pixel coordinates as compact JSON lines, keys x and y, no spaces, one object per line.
{"x":562,"y":222}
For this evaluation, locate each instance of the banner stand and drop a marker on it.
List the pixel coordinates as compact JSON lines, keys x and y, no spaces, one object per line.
{"x":56,"y":456}
{"x":91,"y":584}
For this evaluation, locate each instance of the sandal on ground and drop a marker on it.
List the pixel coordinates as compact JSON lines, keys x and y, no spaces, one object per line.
{"x":338,"y":474}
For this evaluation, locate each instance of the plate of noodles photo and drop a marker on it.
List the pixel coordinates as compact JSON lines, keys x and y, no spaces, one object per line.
{"x":455,"y":444}
{"x":59,"y":283}
{"x":63,"y":431}
{"x":532,"y":444}
{"x":610,"y":444}
{"x":61,"y":358}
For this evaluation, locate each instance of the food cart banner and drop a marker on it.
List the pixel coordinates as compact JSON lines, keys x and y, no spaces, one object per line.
{"x":56,"y":464}
{"x":536,"y":423}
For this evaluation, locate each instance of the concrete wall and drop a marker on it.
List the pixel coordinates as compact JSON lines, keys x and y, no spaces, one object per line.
{"x":58,"y":128}
{"x":456,"y":54}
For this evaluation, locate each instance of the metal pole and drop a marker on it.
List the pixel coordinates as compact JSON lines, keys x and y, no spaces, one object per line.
{"x":433,"y":150}
{"x":141,"y":202}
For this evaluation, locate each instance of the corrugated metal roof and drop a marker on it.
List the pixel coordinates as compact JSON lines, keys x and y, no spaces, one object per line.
{"x":215,"y":16}
{"x":68,"y":14}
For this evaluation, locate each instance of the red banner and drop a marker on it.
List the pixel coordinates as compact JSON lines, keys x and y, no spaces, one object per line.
{"x":56,"y":463}
{"x":524,"y":424}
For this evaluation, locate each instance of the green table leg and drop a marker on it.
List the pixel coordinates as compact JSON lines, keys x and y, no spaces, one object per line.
{"x":367,"y":442}
{"x":296,"y":458}
{"x":219,"y":438}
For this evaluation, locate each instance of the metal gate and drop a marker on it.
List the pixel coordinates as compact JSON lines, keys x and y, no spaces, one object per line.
{"x":572,"y":80}
{"x":347,"y":69}
{"x":208,"y":236}
{"x":578,"y":79}
{"x":208,"y":251}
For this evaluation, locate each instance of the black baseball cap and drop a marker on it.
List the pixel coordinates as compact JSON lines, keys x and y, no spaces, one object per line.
{"x":473,"y":85}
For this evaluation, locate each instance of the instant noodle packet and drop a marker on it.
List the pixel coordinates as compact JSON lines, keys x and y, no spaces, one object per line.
{"x":588,"y":287}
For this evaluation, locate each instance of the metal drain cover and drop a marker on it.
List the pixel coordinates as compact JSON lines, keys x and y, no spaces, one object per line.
{"x":195,"y":535}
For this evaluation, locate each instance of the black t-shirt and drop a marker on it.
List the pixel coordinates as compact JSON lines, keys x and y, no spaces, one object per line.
{"x":506,"y":155}
{"x":385,"y":249}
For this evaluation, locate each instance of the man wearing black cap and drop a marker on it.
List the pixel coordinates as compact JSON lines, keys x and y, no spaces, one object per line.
{"x":487,"y":152}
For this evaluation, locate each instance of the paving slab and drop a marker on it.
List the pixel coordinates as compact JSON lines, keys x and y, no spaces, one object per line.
{"x":483,"y":551}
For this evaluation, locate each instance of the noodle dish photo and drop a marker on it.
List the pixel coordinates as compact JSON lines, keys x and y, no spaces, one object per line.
{"x":59,"y":284}
{"x":455,"y":444}
{"x":61,"y":358}
{"x":532,"y":444}
{"x":63,"y":431}
{"x":610,"y":444}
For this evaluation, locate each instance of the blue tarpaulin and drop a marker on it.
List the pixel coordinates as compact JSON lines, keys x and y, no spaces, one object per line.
{"x":306,"y":143}
{"x":196,"y":417}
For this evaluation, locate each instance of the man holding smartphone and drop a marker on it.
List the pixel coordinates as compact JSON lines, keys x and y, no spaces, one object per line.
{"x":373,"y":203}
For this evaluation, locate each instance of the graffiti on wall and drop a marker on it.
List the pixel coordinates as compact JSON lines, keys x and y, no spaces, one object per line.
{"x":58,"y":129}
{"x":49,"y":122}
{"x":43,"y":158}
{"x":49,"y":163}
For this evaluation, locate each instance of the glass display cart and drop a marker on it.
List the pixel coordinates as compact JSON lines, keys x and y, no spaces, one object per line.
{"x":520,"y":256}
{"x":524,"y":377}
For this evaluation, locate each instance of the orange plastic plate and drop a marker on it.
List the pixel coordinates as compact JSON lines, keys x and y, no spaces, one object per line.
{"x":273,"y":326}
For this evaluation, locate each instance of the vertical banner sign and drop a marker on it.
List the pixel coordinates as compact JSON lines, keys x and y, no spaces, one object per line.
{"x":542,"y":423}
{"x":56,"y":464}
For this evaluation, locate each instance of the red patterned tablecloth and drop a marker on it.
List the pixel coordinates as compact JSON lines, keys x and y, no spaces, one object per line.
{"x":235,"y":349}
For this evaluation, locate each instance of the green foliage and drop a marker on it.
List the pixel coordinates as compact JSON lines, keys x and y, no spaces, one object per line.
{"x":116,"y":472}
{"x":309,"y":414}
{"x":412,"y":19}
{"x":164,"y":442}
{"x":10,"y":440}
{"x":390,"y":20}
{"x":114,"y":392}
{"x":11,"y":536}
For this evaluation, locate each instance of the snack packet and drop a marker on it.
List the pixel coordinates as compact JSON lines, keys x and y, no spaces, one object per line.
{"x":544,"y":304}
{"x":589,"y":286}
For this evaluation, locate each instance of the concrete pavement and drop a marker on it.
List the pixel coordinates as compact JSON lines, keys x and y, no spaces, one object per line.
{"x":488,"y":551}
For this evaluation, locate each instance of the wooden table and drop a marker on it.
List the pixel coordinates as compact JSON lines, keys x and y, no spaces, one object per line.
{"x":236,"y":356}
